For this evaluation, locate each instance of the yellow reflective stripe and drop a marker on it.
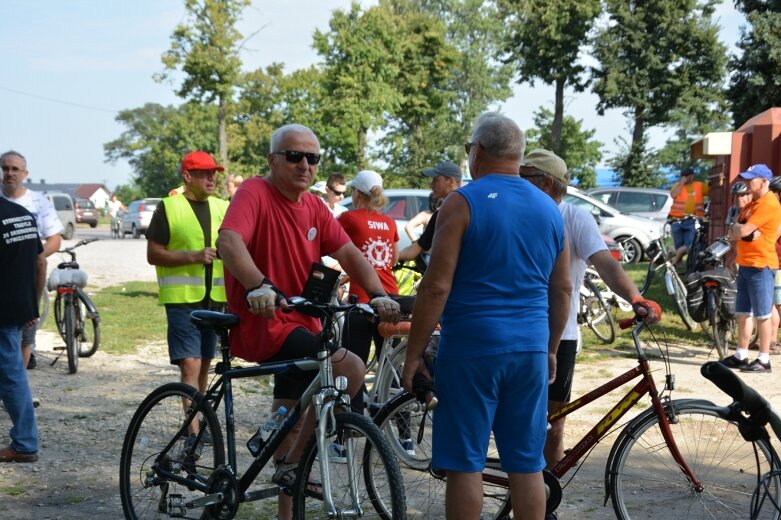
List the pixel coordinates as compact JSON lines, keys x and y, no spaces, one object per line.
{"x":179,"y":280}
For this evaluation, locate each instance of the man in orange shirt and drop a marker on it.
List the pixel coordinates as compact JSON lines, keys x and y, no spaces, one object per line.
{"x":688,"y":199}
{"x":755,"y":232}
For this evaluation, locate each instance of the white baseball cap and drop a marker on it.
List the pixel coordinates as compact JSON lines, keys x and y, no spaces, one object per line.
{"x":365,"y":181}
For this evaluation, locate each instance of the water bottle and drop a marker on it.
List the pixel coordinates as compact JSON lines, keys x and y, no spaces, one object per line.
{"x":265,"y":431}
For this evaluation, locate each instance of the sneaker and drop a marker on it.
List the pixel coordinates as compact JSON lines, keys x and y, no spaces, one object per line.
{"x":36,"y":402}
{"x":33,"y":362}
{"x":408,"y":446}
{"x":206,"y":437}
{"x":187,"y":449}
{"x":757,"y":366}
{"x":337,"y":453}
{"x":733,"y":362}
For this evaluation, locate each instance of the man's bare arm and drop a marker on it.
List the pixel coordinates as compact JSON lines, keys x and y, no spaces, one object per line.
{"x":52,"y":244}
{"x":614,"y":276}
{"x":157,"y":254}
{"x":236,"y":259}
{"x":559,"y":294}
{"x":410,"y":252}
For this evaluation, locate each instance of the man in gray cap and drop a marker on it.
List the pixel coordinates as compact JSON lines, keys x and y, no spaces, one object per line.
{"x":549,"y":173}
{"x":445,"y":178}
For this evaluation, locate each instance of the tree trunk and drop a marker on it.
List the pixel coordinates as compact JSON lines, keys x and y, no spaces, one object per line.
{"x":639,"y":128}
{"x":558,"y":118}
{"x":222,"y":135}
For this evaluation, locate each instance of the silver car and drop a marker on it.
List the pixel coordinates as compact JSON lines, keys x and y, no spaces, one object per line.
{"x":635,"y":233}
{"x":403,"y":204}
{"x":137,"y":217}
{"x":643,"y":202}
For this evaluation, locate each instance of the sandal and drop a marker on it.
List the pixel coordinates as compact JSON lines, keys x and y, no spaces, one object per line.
{"x":285,"y":478}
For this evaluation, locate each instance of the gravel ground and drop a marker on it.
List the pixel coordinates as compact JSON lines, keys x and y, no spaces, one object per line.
{"x":83,"y":417}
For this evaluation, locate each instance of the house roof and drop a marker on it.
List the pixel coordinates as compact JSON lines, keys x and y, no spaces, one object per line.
{"x":85,"y":191}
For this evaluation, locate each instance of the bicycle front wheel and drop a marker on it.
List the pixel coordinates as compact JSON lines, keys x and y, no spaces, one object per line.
{"x":71,"y":345}
{"x":379,"y":494}
{"x":88,"y":325}
{"x":646,"y":482}
{"x":155,"y":479}
{"x":407,"y":427}
{"x":598,"y":317}
{"x":678,"y":293}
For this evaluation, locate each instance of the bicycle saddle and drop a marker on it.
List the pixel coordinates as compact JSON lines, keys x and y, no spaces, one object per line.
{"x":213,"y":319}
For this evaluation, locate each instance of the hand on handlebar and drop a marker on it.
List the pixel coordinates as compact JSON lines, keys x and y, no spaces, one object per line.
{"x":648,"y":310}
{"x":388,"y":309}
{"x":263,"y":299}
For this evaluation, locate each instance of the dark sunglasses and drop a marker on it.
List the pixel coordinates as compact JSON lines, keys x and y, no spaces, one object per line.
{"x":293,"y":156}
{"x":337,"y":192}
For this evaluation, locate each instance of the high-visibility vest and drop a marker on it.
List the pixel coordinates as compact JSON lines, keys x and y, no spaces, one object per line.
{"x":187,"y":283}
{"x":679,"y":203}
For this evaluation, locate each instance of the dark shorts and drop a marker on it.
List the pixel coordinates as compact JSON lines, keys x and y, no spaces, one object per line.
{"x":185,"y":340}
{"x":299,"y":344}
{"x":28,"y":334}
{"x":561,"y":388}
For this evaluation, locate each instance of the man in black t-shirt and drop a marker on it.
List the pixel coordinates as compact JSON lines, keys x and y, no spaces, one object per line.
{"x":21,"y":279}
{"x":445,"y":178}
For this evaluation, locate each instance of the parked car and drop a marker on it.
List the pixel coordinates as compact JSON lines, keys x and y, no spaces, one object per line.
{"x":644,"y":202}
{"x":86,"y":213}
{"x":135,"y":220}
{"x":634,"y":233}
{"x":403,"y":204}
{"x":65,"y":208}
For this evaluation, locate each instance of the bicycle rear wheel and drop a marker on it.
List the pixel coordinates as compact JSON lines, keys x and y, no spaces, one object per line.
{"x":380,"y":492}
{"x":406,"y":425}
{"x":646,"y":482}
{"x":155,"y":481}
{"x":598,"y":317}
{"x":678,"y":292}
{"x":718,"y":326}
{"x":71,"y":345}
{"x":88,"y":325}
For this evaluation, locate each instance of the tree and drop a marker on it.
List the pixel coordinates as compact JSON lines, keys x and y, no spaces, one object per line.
{"x":128,"y":192}
{"x":755,"y":84}
{"x":656,"y":57}
{"x":206,"y":48}
{"x":544,"y":39}
{"x":577,"y":146}
{"x":157,"y":138}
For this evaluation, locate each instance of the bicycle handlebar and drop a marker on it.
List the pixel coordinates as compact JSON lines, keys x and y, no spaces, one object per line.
{"x":300,"y":303}
{"x":78,"y":244}
{"x":740,"y":392}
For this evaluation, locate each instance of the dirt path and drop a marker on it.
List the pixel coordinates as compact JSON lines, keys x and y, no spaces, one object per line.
{"x":83,"y":418}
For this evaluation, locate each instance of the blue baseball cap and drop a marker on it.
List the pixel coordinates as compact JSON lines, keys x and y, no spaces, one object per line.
{"x":757,"y":170}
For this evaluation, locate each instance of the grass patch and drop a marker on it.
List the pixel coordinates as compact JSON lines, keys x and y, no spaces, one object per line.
{"x":14,"y":490}
{"x":75,"y":500}
{"x":130,"y":316}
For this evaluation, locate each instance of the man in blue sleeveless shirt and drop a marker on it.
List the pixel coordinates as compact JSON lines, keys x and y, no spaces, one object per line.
{"x":499,"y":262}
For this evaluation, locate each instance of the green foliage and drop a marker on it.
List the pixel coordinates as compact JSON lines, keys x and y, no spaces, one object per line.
{"x":544,"y":39}
{"x":656,"y":58}
{"x":578,"y":148}
{"x":128,"y":192}
{"x":755,"y":84}
{"x":635,"y":166}
{"x":157,"y":138}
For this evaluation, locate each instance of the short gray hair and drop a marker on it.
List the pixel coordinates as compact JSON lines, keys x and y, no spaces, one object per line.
{"x":499,"y":135}
{"x":280,"y":133}
{"x":17,"y":154}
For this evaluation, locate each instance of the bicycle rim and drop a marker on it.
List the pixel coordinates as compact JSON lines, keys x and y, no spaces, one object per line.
{"x":378,"y":484}
{"x":718,"y":326}
{"x":645,"y":480}
{"x":145,"y":493}
{"x":598,"y":317}
{"x":679,"y":299}
{"x":71,"y":343}
{"x":403,"y":418}
{"x":389,"y":382}
{"x":88,"y":331}
{"x":43,"y":307}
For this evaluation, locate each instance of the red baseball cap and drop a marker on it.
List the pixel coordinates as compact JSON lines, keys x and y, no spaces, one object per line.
{"x":199,"y":161}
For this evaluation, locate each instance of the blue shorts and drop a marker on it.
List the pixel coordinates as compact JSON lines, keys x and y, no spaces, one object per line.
{"x":504,"y":393}
{"x":755,"y":292}
{"x":683,"y":232}
{"x":185,"y":340}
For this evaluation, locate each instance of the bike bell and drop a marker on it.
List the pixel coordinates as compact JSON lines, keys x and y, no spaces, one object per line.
{"x":739,"y":188}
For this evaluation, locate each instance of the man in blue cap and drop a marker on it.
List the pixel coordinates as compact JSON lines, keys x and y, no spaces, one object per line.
{"x":755,"y":233}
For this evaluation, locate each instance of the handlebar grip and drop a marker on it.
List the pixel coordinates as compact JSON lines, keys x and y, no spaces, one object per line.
{"x":733,"y":386}
{"x":626,"y":323}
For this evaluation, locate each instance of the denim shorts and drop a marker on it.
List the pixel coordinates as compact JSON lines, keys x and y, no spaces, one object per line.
{"x":185,"y":340}
{"x":755,"y":292}
{"x":506,"y":394}
{"x":683,"y":232}
{"x":28,"y":334}
{"x":777,"y":289}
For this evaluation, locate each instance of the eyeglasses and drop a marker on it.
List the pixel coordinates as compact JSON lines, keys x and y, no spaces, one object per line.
{"x":14,"y":169}
{"x":293,"y":156}
{"x":337,"y":193}
{"x":468,"y":147}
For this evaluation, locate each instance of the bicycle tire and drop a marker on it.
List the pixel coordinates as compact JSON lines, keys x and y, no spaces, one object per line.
{"x":156,"y":423}
{"x":643,"y":478}
{"x":718,"y":326}
{"x":381,"y":484}
{"x":389,"y":383}
{"x":88,"y":325}
{"x":598,"y":316}
{"x":71,"y":345}
{"x":679,"y":299}
{"x":423,"y":486}
{"x":59,"y":315}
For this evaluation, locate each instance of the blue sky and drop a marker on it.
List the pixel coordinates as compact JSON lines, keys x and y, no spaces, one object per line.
{"x":72,"y":65}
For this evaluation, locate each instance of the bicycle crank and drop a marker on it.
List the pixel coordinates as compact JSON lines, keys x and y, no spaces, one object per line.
{"x":223,"y":484}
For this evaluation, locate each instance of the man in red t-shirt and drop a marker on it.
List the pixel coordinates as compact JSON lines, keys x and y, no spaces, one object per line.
{"x":271,"y":234}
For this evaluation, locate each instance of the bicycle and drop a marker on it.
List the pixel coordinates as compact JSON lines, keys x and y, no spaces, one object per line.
{"x":699,"y":245}
{"x":684,"y":458}
{"x":660,"y":260}
{"x":594,"y":311}
{"x":161,"y":476}
{"x":75,"y":315}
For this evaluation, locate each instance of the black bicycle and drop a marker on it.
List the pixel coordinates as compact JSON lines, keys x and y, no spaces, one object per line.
{"x":699,"y":245}
{"x":75,"y":315}
{"x":167,"y":471}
